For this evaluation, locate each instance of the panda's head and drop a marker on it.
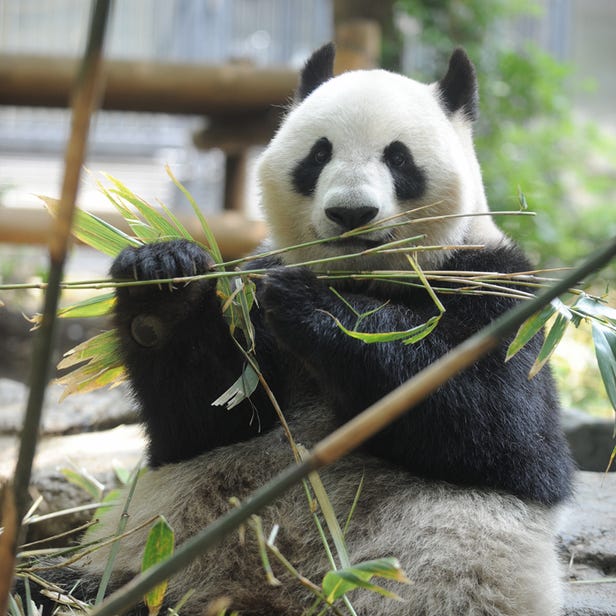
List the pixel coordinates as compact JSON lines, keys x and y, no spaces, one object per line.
{"x":366,"y":145}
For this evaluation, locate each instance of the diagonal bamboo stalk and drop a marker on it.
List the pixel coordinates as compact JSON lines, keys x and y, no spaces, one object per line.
{"x":352,"y":434}
{"x":85,"y":97}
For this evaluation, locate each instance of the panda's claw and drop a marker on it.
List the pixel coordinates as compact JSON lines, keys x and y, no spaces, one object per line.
{"x":161,"y":261}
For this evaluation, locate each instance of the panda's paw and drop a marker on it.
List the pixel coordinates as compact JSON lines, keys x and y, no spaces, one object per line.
{"x":147,"y":314}
{"x":289,"y":299}
{"x":160,"y":261}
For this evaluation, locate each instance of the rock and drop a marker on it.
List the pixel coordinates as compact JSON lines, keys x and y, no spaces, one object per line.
{"x":16,"y":339}
{"x":99,"y":410}
{"x":591,"y":439}
{"x":97,"y":453}
{"x":588,"y":543}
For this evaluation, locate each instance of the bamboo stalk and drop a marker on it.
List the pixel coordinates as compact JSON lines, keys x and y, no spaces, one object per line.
{"x":86,"y":94}
{"x":352,"y":434}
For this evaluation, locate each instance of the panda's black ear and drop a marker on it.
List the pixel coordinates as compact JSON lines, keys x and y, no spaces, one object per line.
{"x":317,"y":70}
{"x":459,"y":86}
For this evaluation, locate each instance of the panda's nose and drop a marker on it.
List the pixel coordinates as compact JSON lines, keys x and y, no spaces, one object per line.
{"x":351,"y":217}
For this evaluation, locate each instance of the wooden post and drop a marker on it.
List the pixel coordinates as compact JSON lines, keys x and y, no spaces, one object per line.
{"x":235,"y":180}
{"x":358,"y":45}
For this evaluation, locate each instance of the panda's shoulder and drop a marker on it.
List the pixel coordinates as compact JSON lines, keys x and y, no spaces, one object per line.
{"x":503,"y":257}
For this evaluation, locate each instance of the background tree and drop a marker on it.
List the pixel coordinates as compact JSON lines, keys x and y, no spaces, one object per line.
{"x":530,"y":144}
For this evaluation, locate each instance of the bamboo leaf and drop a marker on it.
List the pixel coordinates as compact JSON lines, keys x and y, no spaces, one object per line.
{"x":85,"y":379}
{"x":552,"y":339}
{"x":423,"y":330}
{"x":605,"y":350}
{"x":212,"y":244}
{"x":160,"y":227}
{"x":94,"y":231}
{"x":337,"y":583}
{"x":529,"y":328}
{"x":328,"y":512}
{"x":596,"y":308}
{"x":611,"y":461}
{"x":91,"y":307}
{"x":105,"y":344}
{"x":102,"y":365}
{"x":122,"y":474}
{"x":175,"y":222}
{"x":408,"y":336}
{"x":159,"y":546}
{"x":84,"y":480}
{"x":236,"y":306}
{"x":240,"y":390}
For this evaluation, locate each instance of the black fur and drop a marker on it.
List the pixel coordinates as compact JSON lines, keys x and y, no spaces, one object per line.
{"x":318,"y":69}
{"x":307,"y":171}
{"x":192,"y":361}
{"x":409,"y":180}
{"x":489,"y":426}
{"x":459,"y":86}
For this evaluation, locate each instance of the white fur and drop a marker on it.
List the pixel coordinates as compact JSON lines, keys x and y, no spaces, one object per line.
{"x":467,"y":552}
{"x":361,"y":112}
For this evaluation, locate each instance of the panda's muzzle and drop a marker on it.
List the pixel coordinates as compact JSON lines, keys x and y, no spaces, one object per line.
{"x":350,"y":217}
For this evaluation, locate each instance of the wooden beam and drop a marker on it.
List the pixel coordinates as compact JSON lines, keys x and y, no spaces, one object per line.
{"x":147,"y":86}
{"x":236,"y":235}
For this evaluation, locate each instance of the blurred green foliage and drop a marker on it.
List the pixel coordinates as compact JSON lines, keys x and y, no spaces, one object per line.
{"x":528,"y":137}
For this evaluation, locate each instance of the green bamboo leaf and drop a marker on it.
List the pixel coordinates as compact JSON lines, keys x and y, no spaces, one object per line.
{"x":596,"y":308}
{"x":605,"y":350}
{"x":236,"y":307}
{"x":113,"y":498}
{"x":423,"y":330}
{"x":82,"y":479}
{"x":411,"y":335}
{"x":102,"y":365}
{"x":552,"y":340}
{"x":91,"y":307}
{"x":212,"y":244}
{"x":105,"y":344}
{"x":122,"y":474}
{"x":157,"y":222}
{"x":337,"y":583}
{"x":611,"y":461}
{"x":327,"y":509}
{"x":159,"y":546}
{"x":181,"y":229}
{"x":240,"y":390}
{"x":529,"y":328}
{"x":94,"y":231}
{"x":121,"y":207}
{"x":91,"y":378}
{"x":145,"y":232}
{"x":246,"y":298}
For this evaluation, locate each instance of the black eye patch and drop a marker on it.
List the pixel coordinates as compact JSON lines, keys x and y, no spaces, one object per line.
{"x":409,"y":180}
{"x":306,"y":173}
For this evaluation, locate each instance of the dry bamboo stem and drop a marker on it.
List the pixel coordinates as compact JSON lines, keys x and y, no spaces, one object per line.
{"x":85,"y":97}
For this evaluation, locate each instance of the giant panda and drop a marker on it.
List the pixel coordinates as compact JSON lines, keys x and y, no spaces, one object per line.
{"x":464,"y":489}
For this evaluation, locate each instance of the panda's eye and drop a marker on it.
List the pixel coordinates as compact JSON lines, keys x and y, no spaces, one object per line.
{"x":321,"y":151}
{"x":397,"y":160}
{"x":396,"y":155}
{"x":409,"y":179}
{"x":321,"y":156}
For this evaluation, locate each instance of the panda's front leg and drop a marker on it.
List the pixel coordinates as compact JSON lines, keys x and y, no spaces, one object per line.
{"x":301,"y":313}
{"x":179,"y":353}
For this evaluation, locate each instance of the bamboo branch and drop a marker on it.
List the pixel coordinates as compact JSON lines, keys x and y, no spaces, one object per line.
{"x":352,"y":434}
{"x":85,"y":97}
